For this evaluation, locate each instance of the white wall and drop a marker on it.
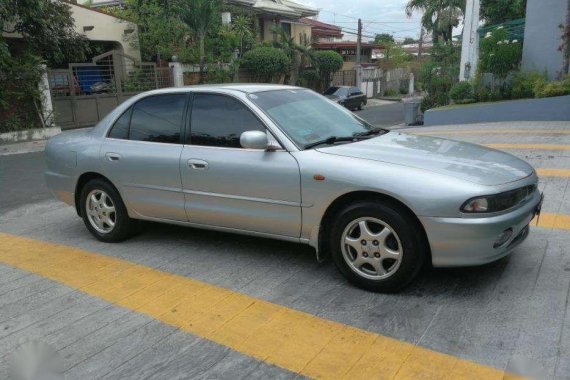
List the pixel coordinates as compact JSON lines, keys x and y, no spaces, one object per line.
{"x":106,"y":28}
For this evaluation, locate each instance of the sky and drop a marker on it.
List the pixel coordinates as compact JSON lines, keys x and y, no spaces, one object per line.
{"x":378,"y":16}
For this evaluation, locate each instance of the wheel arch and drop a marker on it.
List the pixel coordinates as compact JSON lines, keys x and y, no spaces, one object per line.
{"x":82,"y":181}
{"x":361,"y":196}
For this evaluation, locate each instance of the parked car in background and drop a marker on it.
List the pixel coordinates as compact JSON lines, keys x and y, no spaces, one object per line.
{"x":350,"y":97}
{"x":284,"y":162}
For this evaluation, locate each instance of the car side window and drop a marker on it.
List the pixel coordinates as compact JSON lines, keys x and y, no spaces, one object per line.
{"x":120,"y":129}
{"x":219,"y":120}
{"x":158,"y":118}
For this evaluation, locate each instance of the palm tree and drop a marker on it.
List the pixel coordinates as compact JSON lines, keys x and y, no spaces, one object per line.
{"x":242,"y":26}
{"x":200,"y":15}
{"x":297,"y":53}
{"x":440,"y":16}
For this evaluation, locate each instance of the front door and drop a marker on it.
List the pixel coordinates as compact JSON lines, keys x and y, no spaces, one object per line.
{"x":228,"y":186}
{"x":141,"y":156}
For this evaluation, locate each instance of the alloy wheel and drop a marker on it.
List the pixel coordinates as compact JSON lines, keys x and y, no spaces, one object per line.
{"x":101,"y":211}
{"x":371,"y":248}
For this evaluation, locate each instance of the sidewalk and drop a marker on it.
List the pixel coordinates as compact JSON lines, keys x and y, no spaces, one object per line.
{"x":22,"y":147}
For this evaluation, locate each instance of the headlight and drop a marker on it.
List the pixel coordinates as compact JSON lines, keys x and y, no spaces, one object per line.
{"x":498,"y":202}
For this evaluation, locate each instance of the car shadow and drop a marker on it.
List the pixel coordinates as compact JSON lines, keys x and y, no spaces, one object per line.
{"x":430,"y":282}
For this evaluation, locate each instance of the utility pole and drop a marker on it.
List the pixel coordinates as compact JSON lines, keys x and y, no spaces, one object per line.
{"x":470,"y":41}
{"x":358,"y":66}
{"x":421,"y":43}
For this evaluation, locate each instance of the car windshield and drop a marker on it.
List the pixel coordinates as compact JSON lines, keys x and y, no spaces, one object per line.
{"x":307,"y":117}
{"x":331,"y":90}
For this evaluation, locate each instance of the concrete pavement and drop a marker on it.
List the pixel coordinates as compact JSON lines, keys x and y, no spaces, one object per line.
{"x":501,"y":315}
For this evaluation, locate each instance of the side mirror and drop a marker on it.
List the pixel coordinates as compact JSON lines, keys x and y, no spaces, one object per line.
{"x":254,"y":140}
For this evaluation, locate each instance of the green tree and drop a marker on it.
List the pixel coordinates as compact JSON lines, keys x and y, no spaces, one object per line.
{"x":498,"y":11}
{"x":409,"y":40}
{"x":383,"y":38}
{"x":242,"y":26}
{"x":161,"y":32}
{"x":327,"y":62}
{"x":439,"y":16}
{"x":47,"y":28}
{"x":200,"y":16}
{"x":48,"y":35}
{"x":395,"y":55}
{"x":297,"y":54}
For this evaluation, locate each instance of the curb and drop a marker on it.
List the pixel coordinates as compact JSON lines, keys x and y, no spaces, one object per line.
{"x":29,"y":135}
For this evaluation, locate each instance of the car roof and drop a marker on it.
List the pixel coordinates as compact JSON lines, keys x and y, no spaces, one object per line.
{"x":249,"y":88}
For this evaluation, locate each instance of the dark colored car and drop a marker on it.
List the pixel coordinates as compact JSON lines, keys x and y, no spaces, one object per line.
{"x":350,"y":97}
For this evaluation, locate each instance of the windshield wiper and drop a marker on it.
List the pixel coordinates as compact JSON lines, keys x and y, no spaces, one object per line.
{"x":373,"y":131}
{"x":330,"y":141}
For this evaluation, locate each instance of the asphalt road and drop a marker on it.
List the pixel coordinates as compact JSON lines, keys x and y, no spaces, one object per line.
{"x":388,"y":115}
{"x":22,"y":180}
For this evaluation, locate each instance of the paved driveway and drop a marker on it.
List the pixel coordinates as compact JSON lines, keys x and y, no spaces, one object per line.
{"x":178,"y":302}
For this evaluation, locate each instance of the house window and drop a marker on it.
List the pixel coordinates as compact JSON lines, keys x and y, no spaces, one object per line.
{"x":286,"y":28}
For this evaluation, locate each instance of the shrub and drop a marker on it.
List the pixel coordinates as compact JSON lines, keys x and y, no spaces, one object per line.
{"x":554,"y":88}
{"x":462,"y":92}
{"x":390,"y":92}
{"x":499,"y":55}
{"x":327,"y":62}
{"x":525,"y":82}
{"x":438,"y":75}
{"x":265,"y":63}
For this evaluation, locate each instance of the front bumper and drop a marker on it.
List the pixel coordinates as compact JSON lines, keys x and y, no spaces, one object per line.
{"x":469,"y":241}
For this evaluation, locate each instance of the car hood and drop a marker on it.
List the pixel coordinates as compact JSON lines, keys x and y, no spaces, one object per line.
{"x":466,"y":161}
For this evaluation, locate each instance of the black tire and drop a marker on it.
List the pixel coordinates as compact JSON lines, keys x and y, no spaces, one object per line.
{"x":413,"y":244}
{"x":360,"y":105}
{"x":124,"y":226}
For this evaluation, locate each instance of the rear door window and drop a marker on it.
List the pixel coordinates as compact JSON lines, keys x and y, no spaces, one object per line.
{"x":158,"y":118}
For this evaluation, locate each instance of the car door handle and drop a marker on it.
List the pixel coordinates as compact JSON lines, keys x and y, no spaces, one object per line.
{"x":197,"y":164}
{"x":112,"y":156}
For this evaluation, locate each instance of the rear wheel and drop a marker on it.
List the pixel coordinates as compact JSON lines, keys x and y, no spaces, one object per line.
{"x":377,"y":246}
{"x":104,"y":212}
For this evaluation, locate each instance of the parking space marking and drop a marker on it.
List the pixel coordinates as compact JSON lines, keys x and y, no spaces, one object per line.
{"x":551,"y":220}
{"x":295,"y":340}
{"x":551,"y":172}
{"x":529,"y":146}
{"x":497,"y":132}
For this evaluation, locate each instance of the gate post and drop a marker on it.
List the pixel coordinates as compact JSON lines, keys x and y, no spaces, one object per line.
{"x":177,"y":74}
{"x":45,"y":99}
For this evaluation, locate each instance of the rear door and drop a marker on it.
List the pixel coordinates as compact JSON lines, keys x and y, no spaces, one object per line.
{"x":141,"y":156}
{"x":228,"y":186}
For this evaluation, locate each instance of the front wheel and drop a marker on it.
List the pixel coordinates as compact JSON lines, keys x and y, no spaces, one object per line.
{"x":377,"y":246}
{"x":104,"y":212}
{"x":360,"y":106}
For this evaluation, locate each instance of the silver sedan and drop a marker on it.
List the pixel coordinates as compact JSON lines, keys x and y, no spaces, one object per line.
{"x":286,"y":163}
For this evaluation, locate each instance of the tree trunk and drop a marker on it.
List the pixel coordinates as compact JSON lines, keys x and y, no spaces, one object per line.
{"x":565,"y":44}
{"x":294,"y":74}
{"x":201,"y":38}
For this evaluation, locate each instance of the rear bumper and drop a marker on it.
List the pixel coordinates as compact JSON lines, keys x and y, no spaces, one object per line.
{"x":61,"y":186}
{"x":469,"y":241}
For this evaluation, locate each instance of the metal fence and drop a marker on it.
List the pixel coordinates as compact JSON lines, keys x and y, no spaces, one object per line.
{"x":84,"y":93}
{"x":344,"y":78}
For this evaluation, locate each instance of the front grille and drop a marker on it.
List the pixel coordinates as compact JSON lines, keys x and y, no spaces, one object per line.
{"x":512,"y":198}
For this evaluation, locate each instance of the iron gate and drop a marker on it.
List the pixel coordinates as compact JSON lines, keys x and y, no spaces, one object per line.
{"x":84,"y":93}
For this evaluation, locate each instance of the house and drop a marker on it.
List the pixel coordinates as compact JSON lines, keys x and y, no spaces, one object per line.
{"x":542,"y":36}
{"x":323,"y":32}
{"x":268,"y":13}
{"x":368,"y":52}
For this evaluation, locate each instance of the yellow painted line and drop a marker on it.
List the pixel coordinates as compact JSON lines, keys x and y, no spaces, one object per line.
{"x":497,"y":132}
{"x":546,"y":172}
{"x":530,"y":146}
{"x":294,"y":340}
{"x":550,"y":220}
